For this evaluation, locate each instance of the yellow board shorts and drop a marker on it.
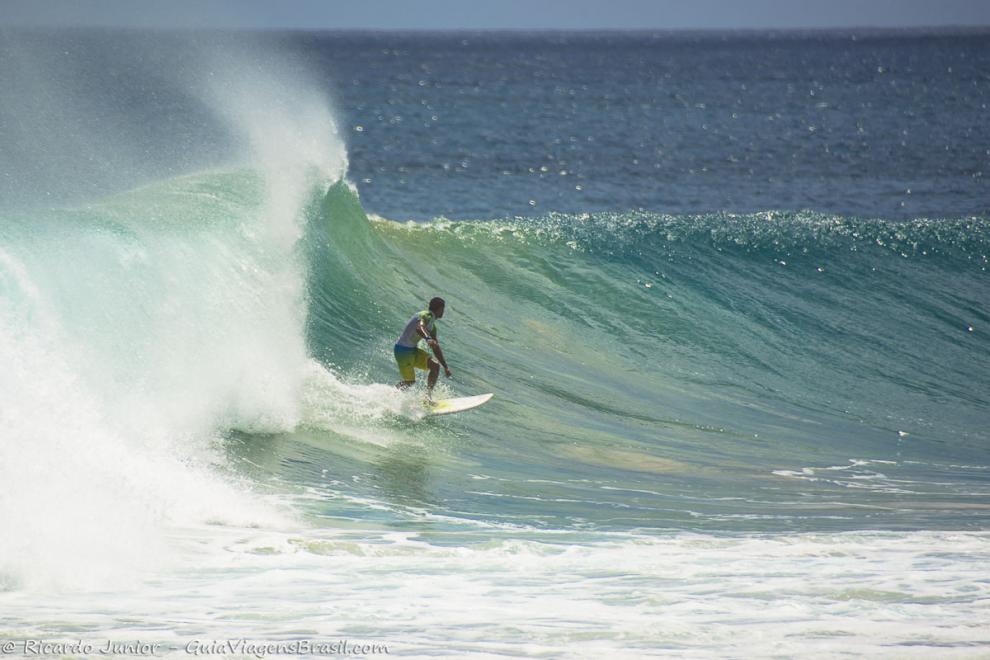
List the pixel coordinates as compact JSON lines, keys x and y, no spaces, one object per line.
{"x":410,"y":359}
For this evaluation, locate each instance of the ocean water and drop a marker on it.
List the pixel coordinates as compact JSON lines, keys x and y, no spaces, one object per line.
{"x":730,"y":291}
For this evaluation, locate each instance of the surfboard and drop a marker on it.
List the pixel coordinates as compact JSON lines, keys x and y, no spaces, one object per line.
{"x":460,"y":404}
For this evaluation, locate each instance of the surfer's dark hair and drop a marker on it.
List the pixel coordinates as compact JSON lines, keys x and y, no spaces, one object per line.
{"x":436,"y":304}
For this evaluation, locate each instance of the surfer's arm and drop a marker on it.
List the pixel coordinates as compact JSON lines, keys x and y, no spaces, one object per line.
{"x":438,"y":354}
{"x":424,"y":333}
{"x":432,"y":342}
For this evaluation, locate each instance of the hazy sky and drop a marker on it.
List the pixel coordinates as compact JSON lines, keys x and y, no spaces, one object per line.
{"x":495,"y":14}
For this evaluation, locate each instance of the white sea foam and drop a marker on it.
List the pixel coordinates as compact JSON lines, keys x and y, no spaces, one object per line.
{"x":127,"y":352}
{"x":903,"y":594}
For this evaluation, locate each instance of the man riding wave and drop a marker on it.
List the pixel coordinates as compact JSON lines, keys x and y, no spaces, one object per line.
{"x":408,"y":355}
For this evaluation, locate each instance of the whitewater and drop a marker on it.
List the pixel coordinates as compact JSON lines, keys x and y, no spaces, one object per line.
{"x":742,"y":429}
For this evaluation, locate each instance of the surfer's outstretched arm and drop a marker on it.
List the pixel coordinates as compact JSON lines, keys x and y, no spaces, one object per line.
{"x":438,"y":354}
{"x":434,"y":344}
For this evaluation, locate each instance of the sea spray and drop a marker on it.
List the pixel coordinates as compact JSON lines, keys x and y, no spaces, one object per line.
{"x":138,"y":328}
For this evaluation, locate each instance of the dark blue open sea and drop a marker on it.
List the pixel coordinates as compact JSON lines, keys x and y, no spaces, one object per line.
{"x":730,"y":291}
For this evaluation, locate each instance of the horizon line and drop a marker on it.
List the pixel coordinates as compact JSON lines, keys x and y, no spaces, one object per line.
{"x":522,"y":30}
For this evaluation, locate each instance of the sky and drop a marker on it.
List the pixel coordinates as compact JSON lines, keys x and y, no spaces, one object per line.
{"x":494,"y":14}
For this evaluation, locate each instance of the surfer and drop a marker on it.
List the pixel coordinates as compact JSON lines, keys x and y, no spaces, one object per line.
{"x":408,"y":355}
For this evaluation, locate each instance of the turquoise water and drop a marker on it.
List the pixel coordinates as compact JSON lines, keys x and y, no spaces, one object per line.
{"x":707,"y":365}
{"x":714,"y":432}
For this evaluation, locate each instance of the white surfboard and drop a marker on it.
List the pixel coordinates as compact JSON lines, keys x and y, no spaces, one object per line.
{"x":448,"y":406}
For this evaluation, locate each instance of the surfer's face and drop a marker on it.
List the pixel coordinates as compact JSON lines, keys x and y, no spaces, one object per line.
{"x":439,"y":311}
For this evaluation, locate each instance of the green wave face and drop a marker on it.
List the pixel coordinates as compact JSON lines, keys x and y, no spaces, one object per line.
{"x":795,"y":309}
{"x":675,"y":354}
{"x":724,"y":372}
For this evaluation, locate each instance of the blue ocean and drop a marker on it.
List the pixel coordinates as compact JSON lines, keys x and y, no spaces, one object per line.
{"x":730,"y":291}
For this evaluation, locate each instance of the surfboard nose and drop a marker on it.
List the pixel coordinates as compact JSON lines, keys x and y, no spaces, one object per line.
{"x":460,"y":404}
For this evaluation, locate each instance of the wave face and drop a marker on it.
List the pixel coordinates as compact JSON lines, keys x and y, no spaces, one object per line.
{"x":724,"y":373}
{"x":749,"y":360}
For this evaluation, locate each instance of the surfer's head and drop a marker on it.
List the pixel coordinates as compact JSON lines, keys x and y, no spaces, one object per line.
{"x":436,"y":307}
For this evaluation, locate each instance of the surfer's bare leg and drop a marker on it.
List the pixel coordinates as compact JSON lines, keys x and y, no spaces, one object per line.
{"x":434,"y":374}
